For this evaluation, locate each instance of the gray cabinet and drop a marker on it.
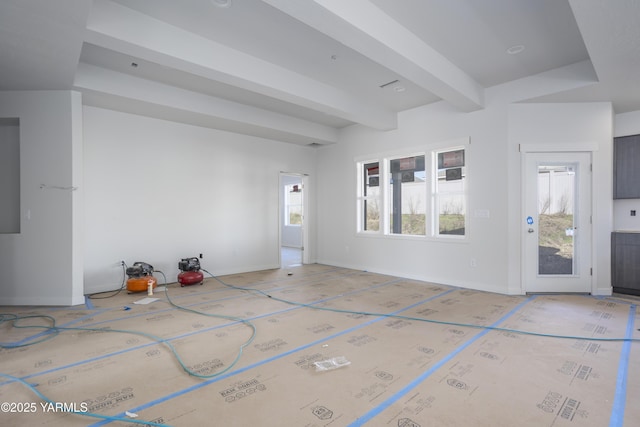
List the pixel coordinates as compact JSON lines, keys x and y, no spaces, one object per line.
{"x":625,"y":262}
{"x":626,"y":167}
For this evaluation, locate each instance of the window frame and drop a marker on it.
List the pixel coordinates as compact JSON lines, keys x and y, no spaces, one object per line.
{"x":432,"y":213}
{"x":436,"y":195}
{"x":388,"y":191}
{"x":363,"y":198}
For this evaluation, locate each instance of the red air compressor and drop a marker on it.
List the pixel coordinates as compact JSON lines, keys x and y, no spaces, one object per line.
{"x":190,"y":272}
{"x":140,"y":277}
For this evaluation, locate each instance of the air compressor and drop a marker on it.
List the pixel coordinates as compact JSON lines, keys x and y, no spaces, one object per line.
{"x":190,"y":272}
{"x":140,"y":277}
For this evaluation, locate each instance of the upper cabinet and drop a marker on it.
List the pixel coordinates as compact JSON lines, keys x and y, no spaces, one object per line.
{"x":626,"y":167}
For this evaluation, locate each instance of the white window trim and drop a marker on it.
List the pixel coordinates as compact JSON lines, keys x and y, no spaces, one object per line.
{"x":361,"y":198}
{"x":383,"y":159}
{"x":386,"y":192}
{"x":435,"y":221}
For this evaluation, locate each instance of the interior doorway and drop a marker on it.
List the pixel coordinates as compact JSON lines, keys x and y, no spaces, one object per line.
{"x":293,"y":190}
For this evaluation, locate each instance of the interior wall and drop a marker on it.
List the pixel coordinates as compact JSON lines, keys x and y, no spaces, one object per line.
{"x":446,"y":261}
{"x":566,"y":125}
{"x":159,"y":191}
{"x":42,"y":265}
{"x":493,"y":163}
{"x":626,"y":124}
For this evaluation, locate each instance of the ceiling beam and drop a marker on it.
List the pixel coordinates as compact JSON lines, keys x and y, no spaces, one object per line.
{"x":40,"y":43}
{"x":365,"y":28}
{"x":118,"y":28}
{"x":611,"y":35}
{"x":107,"y":88}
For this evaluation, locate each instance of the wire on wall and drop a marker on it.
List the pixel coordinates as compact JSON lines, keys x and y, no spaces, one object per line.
{"x":114,"y":292}
{"x":56,"y":187}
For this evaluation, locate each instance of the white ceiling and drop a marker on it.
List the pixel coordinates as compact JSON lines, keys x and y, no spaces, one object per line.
{"x":299,"y":70}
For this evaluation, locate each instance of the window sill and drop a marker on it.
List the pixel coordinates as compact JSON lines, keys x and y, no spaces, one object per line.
{"x":456,"y":239}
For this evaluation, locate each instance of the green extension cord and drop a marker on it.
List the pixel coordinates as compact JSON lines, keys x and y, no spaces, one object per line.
{"x":55,"y":330}
{"x":88,"y":414}
{"x":419,"y":319}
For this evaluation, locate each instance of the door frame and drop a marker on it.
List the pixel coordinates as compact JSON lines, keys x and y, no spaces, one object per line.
{"x":525,"y":149}
{"x":305,"y":214}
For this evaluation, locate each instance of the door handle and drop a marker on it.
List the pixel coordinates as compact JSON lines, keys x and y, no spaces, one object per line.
{"x":530,"y":230}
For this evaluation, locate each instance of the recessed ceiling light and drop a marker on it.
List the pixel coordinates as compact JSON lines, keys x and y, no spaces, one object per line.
{"x":516,"y":49}
{"x":399,"y":89}
{"x":221,"y":3}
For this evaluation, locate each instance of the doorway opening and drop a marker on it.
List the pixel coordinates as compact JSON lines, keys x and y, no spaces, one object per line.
{"x":293,"y":224}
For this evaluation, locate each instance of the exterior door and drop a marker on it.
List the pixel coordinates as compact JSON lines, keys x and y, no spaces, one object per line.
{"x":557,"y":222}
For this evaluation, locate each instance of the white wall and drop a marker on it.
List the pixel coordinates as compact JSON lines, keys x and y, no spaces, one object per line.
{"x":626,"y":124}
{"x":158,"y":191}
{"x":42,"y":265}
{"x":447,"y":262}
{"x":567,"y":125}
{"x":493,"y":170}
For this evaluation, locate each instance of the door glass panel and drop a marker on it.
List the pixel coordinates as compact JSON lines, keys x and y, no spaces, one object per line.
{"x":556,"y":229}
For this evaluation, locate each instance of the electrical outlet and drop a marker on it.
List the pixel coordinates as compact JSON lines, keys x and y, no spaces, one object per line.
{"x":473,"y":262}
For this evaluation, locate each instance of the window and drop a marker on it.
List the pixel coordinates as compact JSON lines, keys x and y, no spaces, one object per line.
{"x":293,"y":204}
{"x":420,"y":194}
{"x":370,"y":196}
{"x":407,"y":195}
{"x":449,"y":192}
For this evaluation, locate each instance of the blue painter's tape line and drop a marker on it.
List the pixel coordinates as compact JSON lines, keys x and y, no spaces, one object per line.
{"x":391,"y":400}
{"x":88,"y":303}
{"x":104,"y":356}
{"x":620,"y":399}
{"x":129,"y":317}
{"x":276,"y":357}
